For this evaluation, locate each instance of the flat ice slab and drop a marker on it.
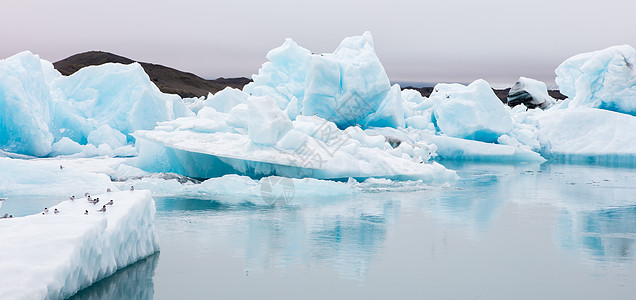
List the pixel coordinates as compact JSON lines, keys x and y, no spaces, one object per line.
{"x":207,"y":155}
{"x":588,"y":135}
{"x":53,"y":256}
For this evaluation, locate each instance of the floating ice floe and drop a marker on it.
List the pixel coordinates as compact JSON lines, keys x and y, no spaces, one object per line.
{"x":451,"y":148}
{"x":48,"y":177}
{"x":237,"y":189}
{"x":53,"y":256}
{"x":309,"y":146}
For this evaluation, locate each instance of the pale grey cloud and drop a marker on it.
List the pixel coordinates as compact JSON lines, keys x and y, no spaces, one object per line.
{"x":416,"y":40}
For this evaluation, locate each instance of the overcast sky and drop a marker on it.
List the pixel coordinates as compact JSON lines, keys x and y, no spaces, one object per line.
{"x":434,"y":41}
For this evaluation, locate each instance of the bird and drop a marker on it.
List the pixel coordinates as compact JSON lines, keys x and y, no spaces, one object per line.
{"x":10,"y":216}
{"x":110,"y":202}
{"x":96,"y":200}
{"x":61,"y":167}
{"x":86,"y":194}
{"x":72,"y":198}
{"x":46,"y":211}
{"x":86,"y":212}
{"x":108,"y":190}
{"x":103,"y":209}
{"x":89,"y":199}
{"x":5,"y":216}
{"x":56,"y":211}
{"x":132,"y":188}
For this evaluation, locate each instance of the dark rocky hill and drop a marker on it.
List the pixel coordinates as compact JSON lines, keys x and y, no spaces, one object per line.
{"x":185,"y":84}
{"x":168,"y":80}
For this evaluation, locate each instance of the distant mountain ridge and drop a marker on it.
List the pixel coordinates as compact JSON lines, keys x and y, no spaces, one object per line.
{"x":186,"y":85}
{"x":168,"y":80}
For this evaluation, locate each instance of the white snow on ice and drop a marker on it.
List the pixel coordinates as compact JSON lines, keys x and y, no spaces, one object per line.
{"x":53,"y":256}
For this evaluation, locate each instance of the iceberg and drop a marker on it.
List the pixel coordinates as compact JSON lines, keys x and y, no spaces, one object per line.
{"x":587,"y":135}
{"x":470,"y":112}
{"x":119,"y":96}
{"x":346,"y":87}
{"x":601,"y":79}
{"x":87,"y":247}
{"x":98,"y":105}
{"x":306,"y":147}
{"x":25,"y":102}
{"x":302,"y":116}
{"x":531,"y":93}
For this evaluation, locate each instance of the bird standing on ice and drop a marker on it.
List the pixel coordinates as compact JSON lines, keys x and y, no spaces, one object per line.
{"x":108,"y":190}
{"x":86,"y":212}
{"x":56,"y":211}
{"x":110,"y":202}
{"x":5,"y":216}
{"x":72,"y":198}
{"x":132,"y":188}
{"x":103,"y":209}
{"x":46,"y":211}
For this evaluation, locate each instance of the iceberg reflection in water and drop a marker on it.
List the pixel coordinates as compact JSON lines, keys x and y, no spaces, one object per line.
{"x":340,"y":234}
{"x":500,"y":232}
{"x":607,"y":235}
{"x":132,"y":282}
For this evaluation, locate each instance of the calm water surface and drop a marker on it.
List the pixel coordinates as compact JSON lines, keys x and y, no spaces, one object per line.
{"x":502,"y":232}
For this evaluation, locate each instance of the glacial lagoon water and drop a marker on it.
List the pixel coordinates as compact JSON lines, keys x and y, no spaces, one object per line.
{"x":550,"y":231}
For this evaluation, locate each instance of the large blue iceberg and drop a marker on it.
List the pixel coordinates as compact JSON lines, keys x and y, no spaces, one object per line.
{"x":603,"y":79}
{"x":98,"y":105}
{"x":347,"y":87}
{"x":266,"y":142}
{"x":276,"y":123}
